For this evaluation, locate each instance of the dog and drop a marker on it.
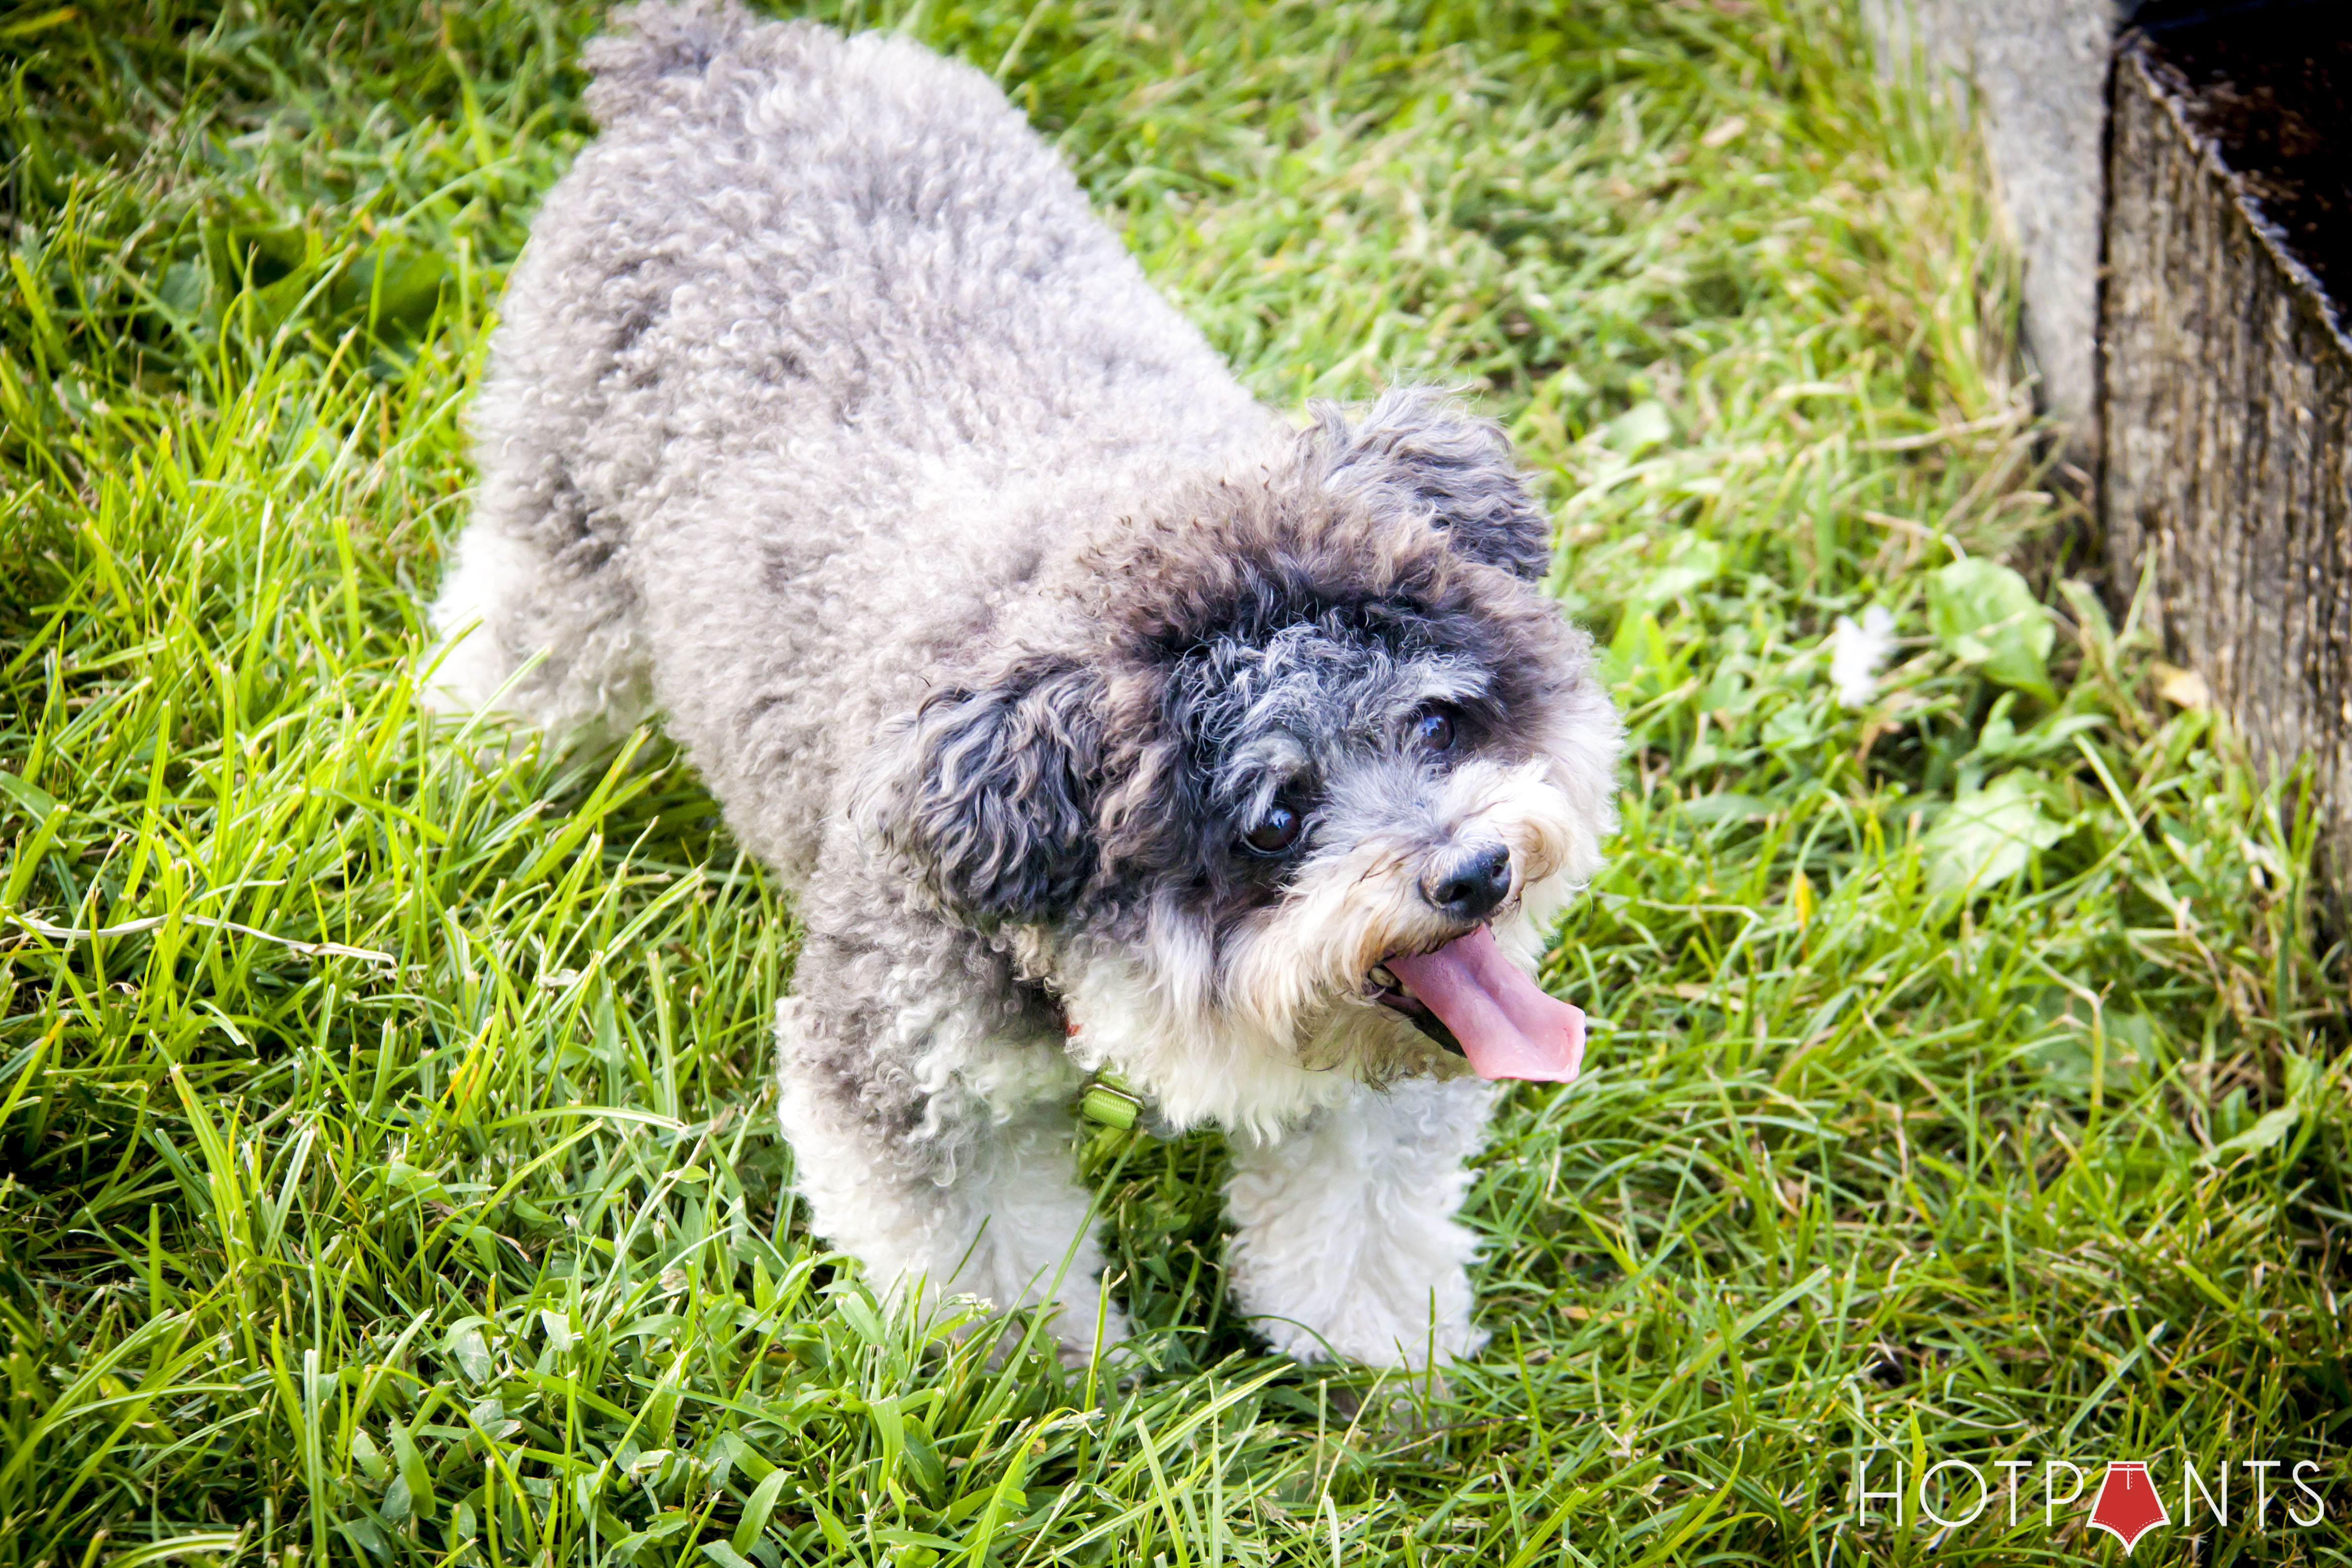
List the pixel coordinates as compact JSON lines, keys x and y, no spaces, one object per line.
{"x":1097,"y":718}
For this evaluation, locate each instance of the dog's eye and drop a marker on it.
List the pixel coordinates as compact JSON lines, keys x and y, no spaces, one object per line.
{"x":1433,"y":730}
{"x":1275,"y":832}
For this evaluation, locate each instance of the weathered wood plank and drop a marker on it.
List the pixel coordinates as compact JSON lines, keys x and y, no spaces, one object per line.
{"x":2226,"y":394}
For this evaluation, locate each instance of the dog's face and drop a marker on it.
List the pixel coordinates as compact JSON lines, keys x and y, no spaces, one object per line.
{"x":1361,"y":798}
{"x":1278,"y":762}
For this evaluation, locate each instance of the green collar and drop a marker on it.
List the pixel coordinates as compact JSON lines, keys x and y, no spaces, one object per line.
{"x":1106,"y":1099}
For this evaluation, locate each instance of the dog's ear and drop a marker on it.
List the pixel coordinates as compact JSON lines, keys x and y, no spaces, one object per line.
{"x":1415,"y":444}
{"x":985,"y":794}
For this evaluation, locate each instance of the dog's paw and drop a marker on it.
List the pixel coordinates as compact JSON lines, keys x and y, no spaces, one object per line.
{"x":1077,"y":1333}
{"x":1084,"y":1334}
{"x":1392,"y":1408}
{"x":1354,"y":1323}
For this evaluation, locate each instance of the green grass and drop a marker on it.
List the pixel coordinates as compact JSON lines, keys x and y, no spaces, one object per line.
{"x":1971,"y":1083}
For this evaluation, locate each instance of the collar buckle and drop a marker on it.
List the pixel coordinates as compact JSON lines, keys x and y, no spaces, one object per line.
{"x":1106,"y":1099}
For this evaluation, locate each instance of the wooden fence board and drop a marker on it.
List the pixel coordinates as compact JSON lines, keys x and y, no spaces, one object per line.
{"x":2226,"y":394}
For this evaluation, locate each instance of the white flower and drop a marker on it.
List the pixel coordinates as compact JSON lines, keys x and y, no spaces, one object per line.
{"x":1857,"y":651}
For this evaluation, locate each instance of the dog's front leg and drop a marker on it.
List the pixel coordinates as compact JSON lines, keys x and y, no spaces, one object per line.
{"x":943,"y":1195}
{"x":1345,"y":1240}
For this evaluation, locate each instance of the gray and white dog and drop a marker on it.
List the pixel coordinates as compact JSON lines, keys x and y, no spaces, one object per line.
{"x":1097,"y":718}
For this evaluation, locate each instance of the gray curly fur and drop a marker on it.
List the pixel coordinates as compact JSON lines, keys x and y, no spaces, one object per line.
{"x":825,"y":419}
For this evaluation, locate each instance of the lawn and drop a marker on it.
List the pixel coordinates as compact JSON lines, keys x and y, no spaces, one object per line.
{"x":388,"y":1171}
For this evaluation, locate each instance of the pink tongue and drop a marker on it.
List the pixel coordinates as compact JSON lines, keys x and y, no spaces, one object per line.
{"x":1507,"y":1027}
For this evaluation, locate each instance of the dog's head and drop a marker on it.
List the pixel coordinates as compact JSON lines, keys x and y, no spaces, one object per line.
{"x":1286,"y":777}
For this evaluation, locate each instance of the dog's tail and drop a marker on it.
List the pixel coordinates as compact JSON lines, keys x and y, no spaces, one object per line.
{"x":656,"y":50}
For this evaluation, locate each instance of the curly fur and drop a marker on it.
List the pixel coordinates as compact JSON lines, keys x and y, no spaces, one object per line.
{"x":826,"y":420}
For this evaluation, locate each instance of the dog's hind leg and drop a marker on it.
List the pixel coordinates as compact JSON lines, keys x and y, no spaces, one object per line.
{"x":936,"y":1195}
{"x":522,"y":635}
{"x":1345,"y":1239}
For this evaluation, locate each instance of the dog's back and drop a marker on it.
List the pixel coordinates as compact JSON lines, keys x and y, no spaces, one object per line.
{"x":824,"y":317}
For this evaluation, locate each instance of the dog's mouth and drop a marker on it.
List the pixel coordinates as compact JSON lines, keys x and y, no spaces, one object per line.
{"x":1474,"y":1002}
{"x":1386,"y":989}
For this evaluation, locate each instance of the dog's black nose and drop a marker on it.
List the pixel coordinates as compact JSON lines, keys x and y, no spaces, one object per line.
{"x":1468,"y":883}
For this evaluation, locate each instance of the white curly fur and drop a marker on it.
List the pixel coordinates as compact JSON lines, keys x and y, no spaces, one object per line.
{"x":820,"y":396}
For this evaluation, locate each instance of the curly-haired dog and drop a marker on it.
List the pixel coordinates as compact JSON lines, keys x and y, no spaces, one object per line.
{"x":1097,"y":717}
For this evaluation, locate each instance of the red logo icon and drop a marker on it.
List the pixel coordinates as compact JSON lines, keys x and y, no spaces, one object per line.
{"x":2127,"y":1507}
